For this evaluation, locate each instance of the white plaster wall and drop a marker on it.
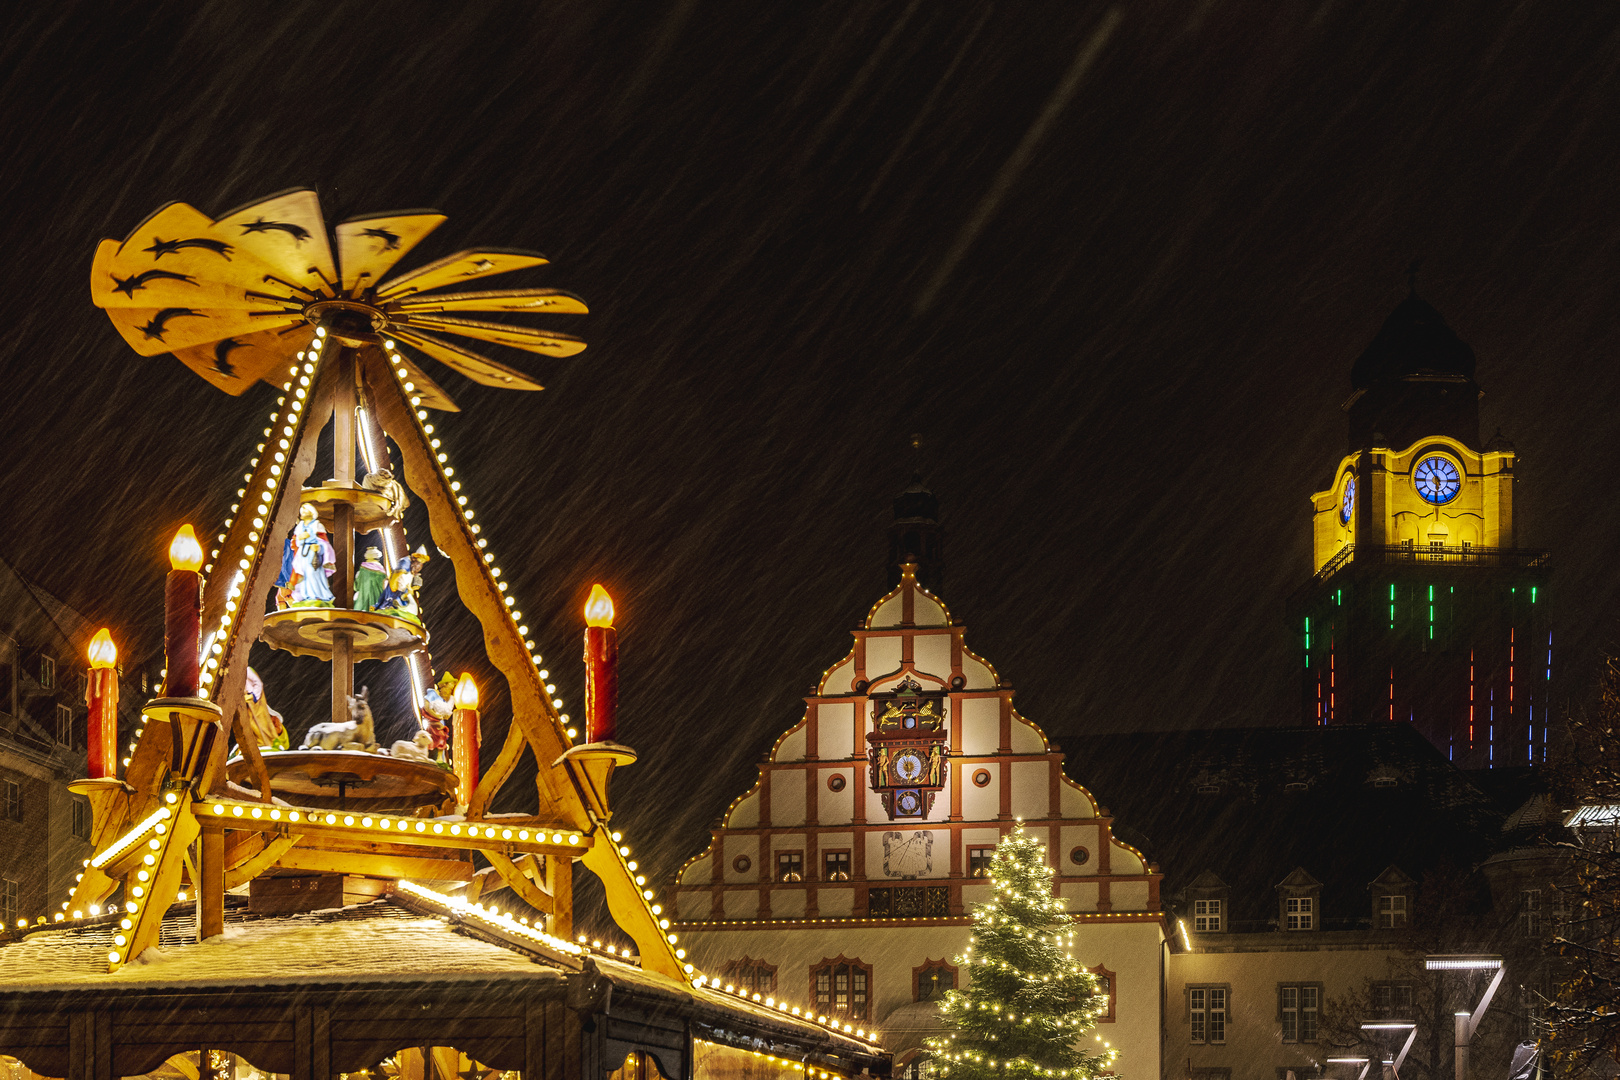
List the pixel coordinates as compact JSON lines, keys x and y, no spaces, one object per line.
{"x":841,"y":679}
{"x":1124,"y":861}
{"x":1074,"y":802}
{"x":741,"y":903}
{"x":887,"y":615}
{"x":980,"y":803}
{"x":1080,"y":895}
{"x":926,"y":611}
{"x":740,"y":845}
{"x":836,"y":903}
{"x":1128,"y":895}
{"x":837,"y":807}
{"x":788,"y":903}
{"x":1130,"y":950}
{"x":782,"y":842}
{"x":1025,"y":739}
{"x":787,"y":798}
{"x":932,"y":653}
{"x":746,"y":815}
{"x":1031,"y":792}
{"x":835,"y":730}
{"x":701,"y":872}
{"x":792,"y":746}
{"x":981,"y":725}
{"x":977,"y":674}
{"x":882,"y":656}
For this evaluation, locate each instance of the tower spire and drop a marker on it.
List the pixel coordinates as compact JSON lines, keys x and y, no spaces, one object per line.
{"x":915,"y":535}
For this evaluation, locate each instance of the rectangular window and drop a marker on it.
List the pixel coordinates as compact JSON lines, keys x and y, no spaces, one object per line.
{"x":8,"y":901}
{"x":1298,"y":1008}
{"x":909,"y":902}
{"x":1207,"y":916}
{"x":1530,"y":912}
{"x":64,"y":725}
{"x":81,"y":819}
{"x":979,"y":859}
{"x":1301,"y":912}
{"x":1206,"y":1007}
{"x":835,"y":866}
{"x":1391,"y":912}
{"x":47,"y":673}
{"x":13,"y":801}
{"x":790,"y":866}
{"x":1392,"y":1000}
{"x":841,"y":987}
{"x":81,"y":683}
{"x":750,"y":974}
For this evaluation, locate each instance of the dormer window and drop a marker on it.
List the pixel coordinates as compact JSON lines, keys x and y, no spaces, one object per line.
{"x":1299,"y":899}
{"x":1208,"y":918}
{"x":1207,"y":897}
{"x":1391,"y":911}
{"x":1300,"y":912}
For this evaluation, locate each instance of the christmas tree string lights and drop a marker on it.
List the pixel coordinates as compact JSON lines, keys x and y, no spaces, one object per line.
{"x":1028,"y":1000}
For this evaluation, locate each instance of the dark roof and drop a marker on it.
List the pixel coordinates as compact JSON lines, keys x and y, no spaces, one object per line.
{"x":1414,"y":340}
{"x":1251,"y":805}
{"x":916,"y":503}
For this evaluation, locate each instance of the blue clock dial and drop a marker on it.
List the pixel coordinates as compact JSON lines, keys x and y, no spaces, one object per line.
{"x":1437,"y":480}
{"x":1348,"y":506}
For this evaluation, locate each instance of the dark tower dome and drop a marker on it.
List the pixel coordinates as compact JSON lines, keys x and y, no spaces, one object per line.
{"x":1415,"y":378}
{"x":916,"y":536}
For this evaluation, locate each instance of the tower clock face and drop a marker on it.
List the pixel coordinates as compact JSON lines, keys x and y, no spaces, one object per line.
{"x":1348,"y":505}
{"x":1436,"y":479}
{"x":908,"y":765}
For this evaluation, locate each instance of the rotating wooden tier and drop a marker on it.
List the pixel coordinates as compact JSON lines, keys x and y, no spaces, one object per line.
{"x":370,"y":507}
{"x":309,"y":631}
{"x":351,"y":780}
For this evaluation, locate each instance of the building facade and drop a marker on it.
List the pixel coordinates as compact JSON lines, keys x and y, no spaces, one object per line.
{"x":1423,"y":607}
{"x":847,"y":873}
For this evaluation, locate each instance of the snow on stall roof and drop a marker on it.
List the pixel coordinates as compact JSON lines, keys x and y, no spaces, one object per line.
{"x":375,"y":942}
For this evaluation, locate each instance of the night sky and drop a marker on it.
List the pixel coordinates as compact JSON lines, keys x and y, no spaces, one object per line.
{"x":1113,"y":265}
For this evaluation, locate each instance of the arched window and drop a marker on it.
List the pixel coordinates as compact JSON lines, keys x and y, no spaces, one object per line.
{"x":930,"y":981}
{"x":842,"y":987}
{"x":751,"y":974}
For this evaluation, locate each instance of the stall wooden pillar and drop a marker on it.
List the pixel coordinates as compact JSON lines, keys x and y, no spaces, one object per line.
{"x":560,"y":884}
{"x":90,"y":1046}
{"x":211,"y":889}
{"x":342,"y":583}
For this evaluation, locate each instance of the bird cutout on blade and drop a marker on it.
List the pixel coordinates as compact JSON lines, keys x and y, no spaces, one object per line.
{"x":431,"y":393}
{"x":287,"y":232}
{"x":543,"y":301}
{"x":458,"y":268}
{"x":193,"y":280}
{"x":368,"y":247}
{"x":546,"y":342}
{"x":235,"y":363}
{"x":153,"y":331}
{"x":479,"y":369}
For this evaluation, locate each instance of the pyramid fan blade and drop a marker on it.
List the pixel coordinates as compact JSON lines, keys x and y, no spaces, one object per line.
{"x":546,"y":342}
{"x":431,"y":393}
{"x":235,"y":363}
{"x":540,"y":301}
{"x":286,"y":231}
{"x":458,"y":268}
{"x":479,"y":369}
{"x":174,"y":259}
{"x":153,"y":331}
{"x":368,"y":247}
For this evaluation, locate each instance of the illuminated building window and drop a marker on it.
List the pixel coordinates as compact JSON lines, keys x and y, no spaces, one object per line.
{"x":1208,"y":918}
{"x":835,"y":866}
{"x":64,"y":725}
{"x":979,"y":859}
{"x":1298,"y":1007}
{"x":750,"y":974}
{"x":1206,"y":1014}
{"x":1391,"y":911}
{"x":1300,"y":912}
{"x":789,"y":866}
{"x":1106,"y":986}
{"x":842,"y":987}
{"x":930,"y":981}
{"x":47,"y":673}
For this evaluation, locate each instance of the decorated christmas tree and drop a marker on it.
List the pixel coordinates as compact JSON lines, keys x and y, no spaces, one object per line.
{"x":1028,"y":1001}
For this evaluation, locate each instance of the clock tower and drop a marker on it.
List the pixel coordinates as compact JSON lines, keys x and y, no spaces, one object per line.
{"x":1423,"y":608}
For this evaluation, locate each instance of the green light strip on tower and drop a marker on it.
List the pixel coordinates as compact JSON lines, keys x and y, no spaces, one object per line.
{"x":1392,"y":605}
{"x":1307,"y":641}
{"x":1431,"y":612}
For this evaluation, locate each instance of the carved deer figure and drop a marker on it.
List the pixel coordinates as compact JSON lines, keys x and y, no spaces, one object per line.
{"x":358,"y":733}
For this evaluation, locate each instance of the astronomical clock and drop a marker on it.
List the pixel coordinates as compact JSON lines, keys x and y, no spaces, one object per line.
{"x":906,"y":748}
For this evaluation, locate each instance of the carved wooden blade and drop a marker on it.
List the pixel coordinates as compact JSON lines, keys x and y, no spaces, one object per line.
{"x":134,"y":280}
{"x":235,"y":363}
{"x":287,"y":232}
{"x":460,"y":267}
{"x":368,"y":247}
{"x":152,"y":331}
{"x":545,"y":301}
{"x":546,"y":342}
{"x":431,"y":393}
{"x":479,"y":369}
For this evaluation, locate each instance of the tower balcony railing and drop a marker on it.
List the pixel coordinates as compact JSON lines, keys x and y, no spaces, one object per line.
{"x":1426,"y":555}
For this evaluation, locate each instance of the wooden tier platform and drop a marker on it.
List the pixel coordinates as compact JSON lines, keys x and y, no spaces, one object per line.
{"x":309,"y":631}
{"x":351,"y":780}
{"x":370,"y":507}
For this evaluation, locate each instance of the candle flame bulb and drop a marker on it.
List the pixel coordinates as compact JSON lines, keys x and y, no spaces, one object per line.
{"x":599,"y":608}
{"x":184,"y":552}
{"x":466,"y":695}
{"x":103,"y":653}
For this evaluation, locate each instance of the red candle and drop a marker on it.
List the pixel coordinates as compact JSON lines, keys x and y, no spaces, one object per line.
{"x":466,"y":736}
{"x":101,"y":692}
{"x":601,"y":668}
{"x":182,"y":615}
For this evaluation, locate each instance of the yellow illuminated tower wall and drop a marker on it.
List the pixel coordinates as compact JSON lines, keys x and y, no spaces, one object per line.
{"x":1423,"y":608}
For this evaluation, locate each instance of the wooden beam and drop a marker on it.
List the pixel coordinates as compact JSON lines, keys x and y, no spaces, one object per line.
{"x":519,"y":883}
{"x":383,"y":866}
{"x":630,"y":909}
{"x":163,"y":885}
{"x":498,"y":772}
{"x":560,"y":884}
{"x":337,"y":836}
{"x":244,"y":862}
{"x":211,"y":889}
{"x":532,"y":710}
